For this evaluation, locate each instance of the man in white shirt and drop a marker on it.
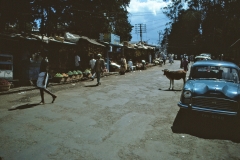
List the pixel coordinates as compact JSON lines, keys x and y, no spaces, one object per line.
{"x":130,"y":64}
{"x":150,"y":58}
{"x":92,"y":65}
{"x":77,"y":62}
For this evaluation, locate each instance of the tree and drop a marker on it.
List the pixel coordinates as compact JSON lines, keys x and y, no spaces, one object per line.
{"x":11,"y":13}
{"x":84,"y":17}
{"x":205,"y":26}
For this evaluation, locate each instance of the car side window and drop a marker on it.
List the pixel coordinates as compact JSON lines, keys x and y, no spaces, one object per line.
{"x":230,"y":74}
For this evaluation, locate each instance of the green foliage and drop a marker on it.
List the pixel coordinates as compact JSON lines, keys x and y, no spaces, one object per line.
{"x":83,"y":17}
{"x":206,"y":26}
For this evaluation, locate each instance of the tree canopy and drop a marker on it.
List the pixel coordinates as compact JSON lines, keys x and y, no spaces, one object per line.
{"x":209,"y":26}
{"x":83,"y":17}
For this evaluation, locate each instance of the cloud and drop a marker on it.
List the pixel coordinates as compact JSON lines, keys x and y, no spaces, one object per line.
{"x":152,"y":6}
{"x":148,"y":12}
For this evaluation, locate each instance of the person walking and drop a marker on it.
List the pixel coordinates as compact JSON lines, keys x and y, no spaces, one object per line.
{"x":43,"y":79}
{"x":185,"y":64}
{"x":99,"y":66}
{"x":164,"y":58}
{"x":123,"y":67}
{"x":124,"y":62}
{"x":130,"y":64}
{"x":77,"y":61}
{"x":92,"y":65}
{"x":170,"y":58}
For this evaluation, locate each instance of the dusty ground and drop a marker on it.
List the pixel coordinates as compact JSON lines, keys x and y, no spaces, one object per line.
{"x":132,"y":116}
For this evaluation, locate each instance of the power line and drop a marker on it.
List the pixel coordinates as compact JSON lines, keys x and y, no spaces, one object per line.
{"x":156,"y":27}
{"x":140,"y":28}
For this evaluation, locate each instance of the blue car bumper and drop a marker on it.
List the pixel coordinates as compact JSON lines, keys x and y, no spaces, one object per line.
{"x":200,"y":109}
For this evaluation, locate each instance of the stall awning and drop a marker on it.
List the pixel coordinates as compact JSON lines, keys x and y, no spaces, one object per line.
{"x":91,"y":41}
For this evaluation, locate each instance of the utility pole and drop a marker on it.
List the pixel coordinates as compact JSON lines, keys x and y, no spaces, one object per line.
{"x":140,"y":28}
{"x":159,"y":37}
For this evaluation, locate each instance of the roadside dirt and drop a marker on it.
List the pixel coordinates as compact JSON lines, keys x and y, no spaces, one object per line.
{"x":132,"y":116}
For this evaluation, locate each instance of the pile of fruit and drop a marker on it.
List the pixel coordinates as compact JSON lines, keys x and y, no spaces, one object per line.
{"x":79,"y":72}
{"x":87,"y":72}
{"x":64,"y":75}
{"x":75,"y":73}
{"x":4,"y":82}
{"x":58,"y":75}
{"x":70,"y":73}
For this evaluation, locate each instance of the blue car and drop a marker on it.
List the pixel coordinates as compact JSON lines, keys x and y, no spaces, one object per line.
{"x":212,"y":87}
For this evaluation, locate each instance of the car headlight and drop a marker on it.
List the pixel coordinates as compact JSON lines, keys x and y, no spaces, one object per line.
{"x":187,"y":94}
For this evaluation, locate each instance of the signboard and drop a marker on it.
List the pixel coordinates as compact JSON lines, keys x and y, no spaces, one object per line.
{"x":109,"y":37}
{"x":115,"y":39}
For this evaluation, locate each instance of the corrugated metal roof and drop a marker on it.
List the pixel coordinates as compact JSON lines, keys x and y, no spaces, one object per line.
{"x":91,"y":41}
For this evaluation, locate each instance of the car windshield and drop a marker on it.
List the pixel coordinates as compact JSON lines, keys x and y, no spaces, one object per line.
{"x":215,"y":72}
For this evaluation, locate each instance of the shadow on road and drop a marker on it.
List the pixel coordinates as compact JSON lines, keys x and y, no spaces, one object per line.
{"x":92,"y":85}
{"x":24,"y":106}
{"x":194,"y":124}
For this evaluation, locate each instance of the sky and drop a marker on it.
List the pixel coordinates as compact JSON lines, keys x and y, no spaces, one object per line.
{"x":148,"y":12}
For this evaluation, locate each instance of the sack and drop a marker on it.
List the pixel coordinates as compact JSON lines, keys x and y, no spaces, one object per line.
{"x":40,"y":80}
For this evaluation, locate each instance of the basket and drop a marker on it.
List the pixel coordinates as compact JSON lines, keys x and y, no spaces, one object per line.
{"x":4,"y":87}
{"x":77,"y":77}
{"x":80,"y":76}
{"x":57,"y":79}
{"x":66,"y":79}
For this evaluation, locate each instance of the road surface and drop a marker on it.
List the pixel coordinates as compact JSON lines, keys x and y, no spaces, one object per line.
{"x":132,"y":116}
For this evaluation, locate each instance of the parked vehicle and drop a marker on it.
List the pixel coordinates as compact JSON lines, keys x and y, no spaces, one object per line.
{"x":206,"y":54}
{"x":200,"y":58}
{"x":213,"y":87}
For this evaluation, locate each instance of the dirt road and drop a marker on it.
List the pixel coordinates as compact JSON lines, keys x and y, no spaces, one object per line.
{"x":131,"y":116}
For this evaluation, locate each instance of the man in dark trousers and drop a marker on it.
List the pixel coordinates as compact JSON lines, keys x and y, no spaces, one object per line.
{"x":99,"y":66}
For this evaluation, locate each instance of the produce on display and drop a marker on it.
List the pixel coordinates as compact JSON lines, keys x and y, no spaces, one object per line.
{"x":87,"y":72}
{"x":75,"y":73}
{"x":79,"y":72}
{"x":70,"y":73}
{"x":64,"y":75}
{"x":58,"y":75}
{"x":4,"y":85}
{"x":4,"y":82}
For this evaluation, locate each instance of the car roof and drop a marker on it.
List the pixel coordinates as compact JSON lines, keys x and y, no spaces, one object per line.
{"x":206,"y":53}
{"x":203,"y":57}
{"x":215,"y":63}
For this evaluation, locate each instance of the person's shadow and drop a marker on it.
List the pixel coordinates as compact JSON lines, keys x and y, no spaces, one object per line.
{"x":92,"y":85}
{"x":24,"y":106}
